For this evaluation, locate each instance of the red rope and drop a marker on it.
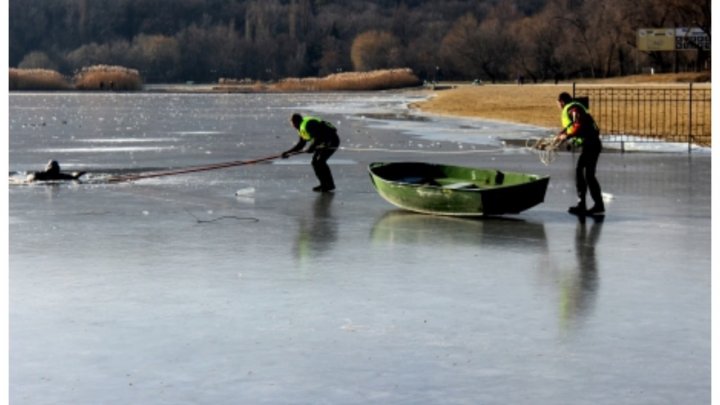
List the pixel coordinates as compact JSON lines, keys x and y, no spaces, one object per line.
{"x":190,"y":169}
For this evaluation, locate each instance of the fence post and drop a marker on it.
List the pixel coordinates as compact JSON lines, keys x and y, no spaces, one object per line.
{"x":690,"y":116}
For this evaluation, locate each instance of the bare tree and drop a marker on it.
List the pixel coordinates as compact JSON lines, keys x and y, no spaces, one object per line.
{"x":113,"y":53}
{"x":578,"y":48}
{"x":479,"y":49}
{"x":537,"y":41}
{"x":156,"y":56}
{"x":263,"y":20}
{"x":375,"y":50}
{"x":269,"y":39}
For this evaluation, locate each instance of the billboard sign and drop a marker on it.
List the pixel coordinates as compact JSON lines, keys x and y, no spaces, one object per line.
{"x":672,"y":39}
{"x":656,"y":39}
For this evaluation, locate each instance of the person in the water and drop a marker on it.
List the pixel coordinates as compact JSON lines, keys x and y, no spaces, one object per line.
{"x":52,"y":172}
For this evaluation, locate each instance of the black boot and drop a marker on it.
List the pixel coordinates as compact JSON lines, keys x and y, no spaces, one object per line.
{"x":324,"y":188}
{"x":579,"y":209}
{"x":597,"y":209}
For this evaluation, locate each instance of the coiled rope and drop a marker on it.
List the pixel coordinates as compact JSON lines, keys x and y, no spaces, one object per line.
{"x":546,"y":148}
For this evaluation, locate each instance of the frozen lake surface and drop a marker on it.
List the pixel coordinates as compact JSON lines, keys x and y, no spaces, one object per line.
{"x":242,"y":286}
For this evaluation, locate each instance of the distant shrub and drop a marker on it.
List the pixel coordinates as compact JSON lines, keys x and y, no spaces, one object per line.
{"x":351,"y":81}
{"x":37,"y":60}
{"x":105,"y":77}
{"x":37,"y":79}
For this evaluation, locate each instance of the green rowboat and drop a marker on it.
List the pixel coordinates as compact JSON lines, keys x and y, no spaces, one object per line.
{"x":456,"y":190}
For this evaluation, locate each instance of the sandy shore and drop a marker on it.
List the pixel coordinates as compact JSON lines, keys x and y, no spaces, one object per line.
{"x":528,"y":104}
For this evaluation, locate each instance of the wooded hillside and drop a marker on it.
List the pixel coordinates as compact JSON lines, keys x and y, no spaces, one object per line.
{"x":491,"y":40}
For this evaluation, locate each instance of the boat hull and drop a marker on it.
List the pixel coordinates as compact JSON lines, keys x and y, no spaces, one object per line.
{"x":456,"y":190}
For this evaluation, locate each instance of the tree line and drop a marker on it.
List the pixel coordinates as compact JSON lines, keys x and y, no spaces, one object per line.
{"x":490,"y":40}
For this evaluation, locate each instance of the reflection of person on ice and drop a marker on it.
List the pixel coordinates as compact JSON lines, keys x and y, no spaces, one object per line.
{"x":580,"y":128}
{"x":324,"y":141}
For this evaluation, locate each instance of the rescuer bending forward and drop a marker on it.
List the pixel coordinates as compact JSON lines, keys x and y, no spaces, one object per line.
{"x":324,"y":141}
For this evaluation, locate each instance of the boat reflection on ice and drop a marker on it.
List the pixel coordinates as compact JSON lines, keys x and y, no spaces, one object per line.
{"x":400,"y":226}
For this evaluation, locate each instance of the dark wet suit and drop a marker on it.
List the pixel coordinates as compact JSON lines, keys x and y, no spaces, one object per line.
{"x":585,"y":179}
{"x":324,"y":142}
{"x":45,"y":176}
{"x":52,"y":173}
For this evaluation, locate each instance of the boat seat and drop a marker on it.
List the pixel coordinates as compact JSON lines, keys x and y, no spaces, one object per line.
{"x":423,"y":181}
{"x":464,"y":185}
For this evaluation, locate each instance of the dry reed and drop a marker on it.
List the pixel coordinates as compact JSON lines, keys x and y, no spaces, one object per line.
{"x":105,"y":77}
{"x":350,"y":81}
{"x":37,"y":79}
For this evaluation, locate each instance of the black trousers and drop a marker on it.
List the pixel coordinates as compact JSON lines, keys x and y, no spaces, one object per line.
{"x":320,"y":166}
{"x":585,"y":179}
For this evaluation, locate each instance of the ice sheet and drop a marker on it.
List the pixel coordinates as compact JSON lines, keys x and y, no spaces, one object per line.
{"x":179,"y":290}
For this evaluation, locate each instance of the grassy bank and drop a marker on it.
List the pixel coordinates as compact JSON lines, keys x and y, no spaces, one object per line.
{"x":536,"y":104}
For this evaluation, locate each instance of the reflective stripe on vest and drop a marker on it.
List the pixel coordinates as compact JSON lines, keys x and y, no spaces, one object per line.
{"x":565,"y":116}
{"x":303,"y":132}
{"x":577,"y":139}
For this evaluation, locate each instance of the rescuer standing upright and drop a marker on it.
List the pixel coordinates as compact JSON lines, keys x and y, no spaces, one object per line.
{"x":579,"y":128}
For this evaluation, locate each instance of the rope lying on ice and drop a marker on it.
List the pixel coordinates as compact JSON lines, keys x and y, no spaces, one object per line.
{"x":185,"y":170}
{"x":209,"y":221}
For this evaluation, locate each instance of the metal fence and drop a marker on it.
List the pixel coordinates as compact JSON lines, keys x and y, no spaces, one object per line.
{"x":657,"y":114}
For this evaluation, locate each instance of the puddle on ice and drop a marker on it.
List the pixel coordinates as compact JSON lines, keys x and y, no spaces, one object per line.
{"x":103,"y":149}
{"x":197,"y":132}
{"x":127,"y":140}
{"x":245,"y":192}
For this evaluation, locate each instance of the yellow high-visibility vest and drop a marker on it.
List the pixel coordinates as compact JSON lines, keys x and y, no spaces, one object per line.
{"x":565,"y":116}
{"x":567,"y":122}
{"x":303,"y":132}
